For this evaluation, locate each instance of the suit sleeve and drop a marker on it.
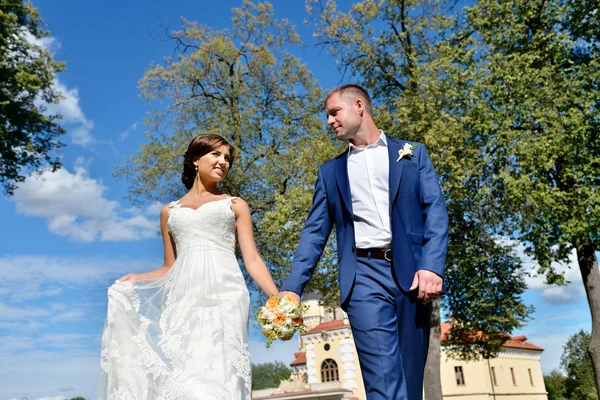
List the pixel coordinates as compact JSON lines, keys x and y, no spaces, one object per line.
{"x":313,"y":239}
{"x":435,"y":216}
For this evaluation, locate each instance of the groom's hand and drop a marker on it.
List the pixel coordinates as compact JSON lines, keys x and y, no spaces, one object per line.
{"x":428,"y":284}
{"x":288,"y":293}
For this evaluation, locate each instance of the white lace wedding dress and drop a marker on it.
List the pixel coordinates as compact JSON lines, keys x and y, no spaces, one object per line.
{"x":183,"y":336}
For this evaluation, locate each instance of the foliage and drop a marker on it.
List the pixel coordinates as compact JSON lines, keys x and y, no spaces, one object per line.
{"x":420,"y":66}
{"x":244,"y":84}
{"x":555,"y":386}
{"x":268,"y":375}
{"x":540,"y":87}
{"x":575,"y":359}
{"x":28,"y":136}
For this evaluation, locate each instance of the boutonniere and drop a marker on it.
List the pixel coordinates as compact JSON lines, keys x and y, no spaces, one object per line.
{"x":406,"y":151}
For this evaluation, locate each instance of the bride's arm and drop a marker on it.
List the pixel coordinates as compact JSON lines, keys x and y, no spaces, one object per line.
{"x":169,"y":253}
{"x":252,"y":261}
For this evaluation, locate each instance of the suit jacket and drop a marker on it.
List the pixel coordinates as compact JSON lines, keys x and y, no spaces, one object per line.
{"x":419,"y":221}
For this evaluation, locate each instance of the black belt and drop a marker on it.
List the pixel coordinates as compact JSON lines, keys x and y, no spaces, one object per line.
{"x":382,"y":254}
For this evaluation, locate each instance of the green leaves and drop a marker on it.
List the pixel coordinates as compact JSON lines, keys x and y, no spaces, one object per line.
{"x":28,"y":138}
{"x":269,"y":375}
{"x":243,"y":84}
{"x":575,"y":360}
{"x":423,"y":66}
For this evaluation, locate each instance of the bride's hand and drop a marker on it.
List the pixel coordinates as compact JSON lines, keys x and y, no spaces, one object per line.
{"x":128,"y":277}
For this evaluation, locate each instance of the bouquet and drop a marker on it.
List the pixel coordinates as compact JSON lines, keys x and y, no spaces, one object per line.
{"x":280,"y":318}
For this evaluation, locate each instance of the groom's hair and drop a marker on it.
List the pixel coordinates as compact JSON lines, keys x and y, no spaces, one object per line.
{"x":352,"y":92}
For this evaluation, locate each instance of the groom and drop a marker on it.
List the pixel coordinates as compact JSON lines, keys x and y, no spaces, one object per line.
{"x":384,"y":198}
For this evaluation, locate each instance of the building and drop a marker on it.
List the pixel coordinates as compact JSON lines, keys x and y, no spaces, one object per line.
{"x":326,"y":366}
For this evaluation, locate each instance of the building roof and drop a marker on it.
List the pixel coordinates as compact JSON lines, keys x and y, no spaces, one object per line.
{"x":329,"y":325}
{"x":308,"y":394}
{"x":517,"y":342}
{"x":300,"y":358}
{"x":520,"y":342}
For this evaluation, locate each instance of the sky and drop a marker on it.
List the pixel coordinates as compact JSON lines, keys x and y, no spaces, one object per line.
{"x":67,"y":235}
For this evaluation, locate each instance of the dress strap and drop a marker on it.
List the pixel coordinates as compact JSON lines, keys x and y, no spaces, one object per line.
{"x":173,"y":205}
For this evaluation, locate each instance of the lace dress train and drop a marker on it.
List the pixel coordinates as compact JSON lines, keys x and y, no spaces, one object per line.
{"x":183,"y":336}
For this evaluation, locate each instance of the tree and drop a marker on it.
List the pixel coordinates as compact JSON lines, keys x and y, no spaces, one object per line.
{"x":555,"y":386}
{"x":245,"y":85}
{"x":28,"y":136}
{"x":269,"y":375}
{"x":542,"y":96}
{"x":418,"y":63}
{"x":576,"y":361}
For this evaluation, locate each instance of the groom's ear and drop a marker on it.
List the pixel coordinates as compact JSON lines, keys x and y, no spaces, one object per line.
{"x":360,"y":107}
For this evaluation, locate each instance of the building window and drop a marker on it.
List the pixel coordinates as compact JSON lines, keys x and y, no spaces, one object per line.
{"x":530,"y":377}
{"x":329,"y":371}
{"x":460,"y":377}
{"x":494,"y":380}
{"x":512,"y":374}
{"x":327,"y":347}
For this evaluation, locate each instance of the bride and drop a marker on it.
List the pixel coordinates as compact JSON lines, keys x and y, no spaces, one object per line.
{"x":180,"y":332}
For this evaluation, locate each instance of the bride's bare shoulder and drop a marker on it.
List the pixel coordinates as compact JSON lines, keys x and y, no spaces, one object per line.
{"x":167,"y":208}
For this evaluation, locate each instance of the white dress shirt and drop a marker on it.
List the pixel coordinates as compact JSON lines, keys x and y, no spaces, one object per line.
{"x":368,"y":172}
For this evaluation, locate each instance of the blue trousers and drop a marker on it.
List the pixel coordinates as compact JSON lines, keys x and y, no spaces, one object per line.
{"x":391,"y":333}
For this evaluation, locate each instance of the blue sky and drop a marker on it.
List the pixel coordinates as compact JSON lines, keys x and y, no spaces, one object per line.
{"x":66,"y":237}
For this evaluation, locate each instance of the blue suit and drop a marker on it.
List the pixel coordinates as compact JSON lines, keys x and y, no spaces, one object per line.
{"x":388,"y":324}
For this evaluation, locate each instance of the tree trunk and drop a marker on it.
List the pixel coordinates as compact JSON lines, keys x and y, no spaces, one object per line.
{"x":588,"y":264}
{"x":433,"y":383}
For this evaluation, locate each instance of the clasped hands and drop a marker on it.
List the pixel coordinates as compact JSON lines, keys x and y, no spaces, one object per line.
{"x":428,"y":285}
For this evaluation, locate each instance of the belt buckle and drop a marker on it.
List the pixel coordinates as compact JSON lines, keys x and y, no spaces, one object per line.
{"x":387,"y":256}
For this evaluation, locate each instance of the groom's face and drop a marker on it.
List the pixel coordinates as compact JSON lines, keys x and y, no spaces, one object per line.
{"x":343,"y":116}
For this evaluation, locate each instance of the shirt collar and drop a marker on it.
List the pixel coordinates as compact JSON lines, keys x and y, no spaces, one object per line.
{"x":381,"y":141}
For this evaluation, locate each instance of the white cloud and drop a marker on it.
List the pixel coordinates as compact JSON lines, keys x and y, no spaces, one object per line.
{"x":66,"y":340}
{"x":126,"y":132}
{"x":9,"y":344}
{"x":53,"y":374}
{"x":551,"y":329}
{"x":41,"y":274}
{"x":47,"y":43}
{"x":553,"y":294}
{"x":563,"y":294}
{"x":73,"y":315}
{"x":73,"y":118}
{"x":9,"y":313}
{"x":34,"y":338}
{"x":22,"y":327}
{"x":75,"y":207}
{"x":553,"y":349}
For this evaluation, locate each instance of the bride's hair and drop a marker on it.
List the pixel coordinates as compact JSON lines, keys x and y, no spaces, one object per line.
{"x":199,"y":146}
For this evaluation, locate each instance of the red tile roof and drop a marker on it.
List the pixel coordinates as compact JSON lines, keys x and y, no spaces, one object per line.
{"x":315,"y":392}
{"x":517,"y":342}
{"x":520,"y":342}
{"x":325,"y":326}
{"x":300,"y":358}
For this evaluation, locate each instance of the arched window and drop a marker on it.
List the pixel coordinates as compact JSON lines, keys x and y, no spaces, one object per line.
{"x":329,"y":371}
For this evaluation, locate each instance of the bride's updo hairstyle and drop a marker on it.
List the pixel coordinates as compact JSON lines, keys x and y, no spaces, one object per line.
{"x":199,"y":146}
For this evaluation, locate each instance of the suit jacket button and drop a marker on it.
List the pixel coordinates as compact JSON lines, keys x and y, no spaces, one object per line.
{"x":353,"y":248}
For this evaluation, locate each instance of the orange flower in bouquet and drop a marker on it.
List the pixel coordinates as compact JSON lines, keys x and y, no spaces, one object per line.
{"x":280,"y":318}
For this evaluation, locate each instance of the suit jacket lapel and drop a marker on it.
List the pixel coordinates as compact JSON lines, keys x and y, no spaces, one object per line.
{"x":343,"y":183}
{"x":395,"y":169}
